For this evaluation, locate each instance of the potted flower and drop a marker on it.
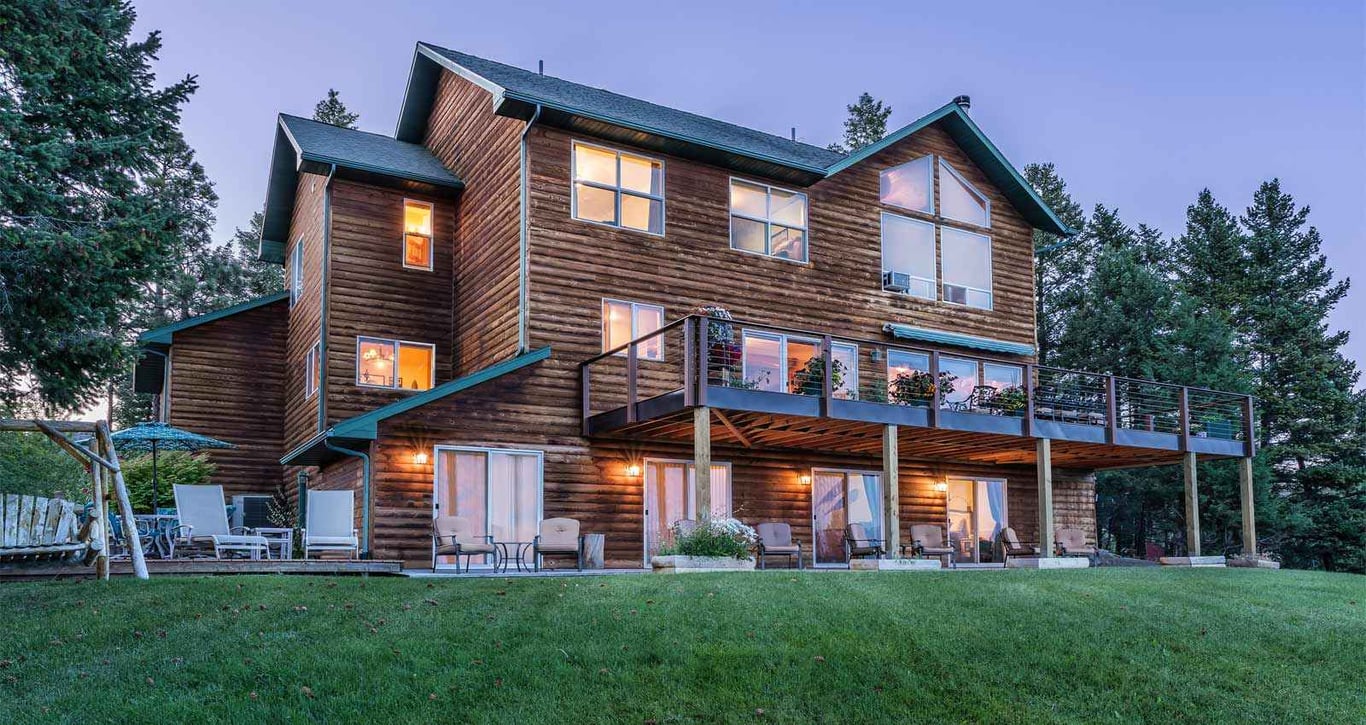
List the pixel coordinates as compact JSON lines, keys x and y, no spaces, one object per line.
{"x":709,"y":545}
{"x":1010,"y":401}
{"x":918,"y":388}
{"x":810,"y":379}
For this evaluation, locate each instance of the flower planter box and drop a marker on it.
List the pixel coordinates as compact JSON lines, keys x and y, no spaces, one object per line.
{"x":697,"y":564}
{"x":1047,"y":562}
{"x":895,"y":565}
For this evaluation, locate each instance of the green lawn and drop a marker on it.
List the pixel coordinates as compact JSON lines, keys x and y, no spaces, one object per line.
{"x":1107,"y":645}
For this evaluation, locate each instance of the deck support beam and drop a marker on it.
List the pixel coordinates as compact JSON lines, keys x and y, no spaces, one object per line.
{"x":1044,"y":462}
{"x":1249,"y":514}
{"x":891,"y":485}
{"x":701,"y":458}
{"x":1192,"y":500}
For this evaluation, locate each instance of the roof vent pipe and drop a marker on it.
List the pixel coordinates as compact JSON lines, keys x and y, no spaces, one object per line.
{"x":965,"y":102}
{"x":540,"y":67}
{"x":794,"y":133}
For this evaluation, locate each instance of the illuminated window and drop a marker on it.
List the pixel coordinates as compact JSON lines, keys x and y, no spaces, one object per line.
{"x":417,"y":234}
{"x":910,"y":185}
{"x":623,"y":322}
{"x":394,"y":364}
{"x":313,"y":370}
{"x":296,"y":272}
{"x":960,"y":200}
{"x":767,"y":220}
{"x":618,"y":189}
{"x":787,"y":364}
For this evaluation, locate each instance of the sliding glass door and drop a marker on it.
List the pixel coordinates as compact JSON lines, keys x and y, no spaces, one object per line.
{"x":497,"y":491}
{"x":840,"y":498}
{"x":669,"y":496}
{"x":976,"y":513}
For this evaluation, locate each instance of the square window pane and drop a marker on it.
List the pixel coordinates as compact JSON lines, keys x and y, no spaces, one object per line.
{"x":375,"y":365}
{"x":908,"y":247}
{"x":616,"y":324}
{"x":748,"y":199}
{"x":595,"y":205}
{"x":788,"y":243}
{"x":641,"y":175}
{"x":979,"y":299}
{"x":649,"y":319}
{"x":964,"y":374}
{"x":1001,"y":376}
{"x":763,"y":363}
{"x":901,"y":362}
{"x":415,"y":367}
{"x":747,"y":234}
{"x":592,"y":164}
{"x":955,"y":294}
{"x":910,"y":185}
{"x":788,"y":208}
{"x":966,"y":258}
{"x":637,"y":212}
{"x":417,"y":218}
{"x":417,"y":250}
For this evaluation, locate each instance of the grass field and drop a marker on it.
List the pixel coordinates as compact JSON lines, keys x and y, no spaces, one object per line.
{"x":1068,"y":646}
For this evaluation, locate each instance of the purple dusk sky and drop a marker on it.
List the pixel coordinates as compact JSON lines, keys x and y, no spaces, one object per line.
{"x":1140,"y":105}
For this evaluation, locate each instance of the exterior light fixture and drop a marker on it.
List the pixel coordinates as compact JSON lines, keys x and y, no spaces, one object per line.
{"x":633,"y":470}
{"x":804,"y":479}
{"x":420,"y":458}
{"x":942,"y":486}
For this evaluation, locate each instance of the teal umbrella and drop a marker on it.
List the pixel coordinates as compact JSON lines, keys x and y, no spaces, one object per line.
{"x":155,"y":436}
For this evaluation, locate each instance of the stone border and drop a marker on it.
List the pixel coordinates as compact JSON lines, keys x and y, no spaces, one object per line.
{"x":1048,"y":562}
{"x":1193,"y":561}
{"x":679,"y":564}
{"x":1253,"y":562}
{"x":895,"y":565}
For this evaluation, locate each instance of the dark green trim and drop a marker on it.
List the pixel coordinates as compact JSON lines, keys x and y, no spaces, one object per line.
{"x":920,"y":334}
{"x":164,"y":334}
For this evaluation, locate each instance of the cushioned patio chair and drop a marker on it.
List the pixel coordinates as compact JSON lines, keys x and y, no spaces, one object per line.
{"x":775,"y":539}
{"x":203,"y":515}
{"x":858,"y":543}
{"x":330,"y":523}
{"x":454,"y":536}
{"x":1072,"y":542}
{"x":558,"y":536}
{"x":1010,"y":545}
{"x":928,"y":540}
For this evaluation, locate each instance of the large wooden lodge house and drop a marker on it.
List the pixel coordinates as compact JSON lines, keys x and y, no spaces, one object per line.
{"x":540,"y":299}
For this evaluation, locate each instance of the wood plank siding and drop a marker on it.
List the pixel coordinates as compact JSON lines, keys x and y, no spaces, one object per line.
{"x":306,"y":228}
{"x":228,"y":381}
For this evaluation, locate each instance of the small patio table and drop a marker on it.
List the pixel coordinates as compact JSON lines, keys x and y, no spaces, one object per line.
{"x":520,"y":547}
{"x":279,"y":539}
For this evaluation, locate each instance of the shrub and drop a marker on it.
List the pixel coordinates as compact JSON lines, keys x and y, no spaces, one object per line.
{"x":32,"y":465}
{"x":713,"y":537}
{"x":172,"y":467}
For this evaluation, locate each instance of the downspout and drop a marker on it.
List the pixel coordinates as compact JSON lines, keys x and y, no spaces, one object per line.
{"x":524,"y":243}
{"x":326,"y":272}
{"x":365,"y":493}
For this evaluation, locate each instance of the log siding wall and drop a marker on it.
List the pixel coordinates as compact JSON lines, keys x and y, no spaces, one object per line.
{"x":306,"y":227}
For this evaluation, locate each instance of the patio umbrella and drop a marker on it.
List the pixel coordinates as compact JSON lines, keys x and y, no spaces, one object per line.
{"x":154,"y":436}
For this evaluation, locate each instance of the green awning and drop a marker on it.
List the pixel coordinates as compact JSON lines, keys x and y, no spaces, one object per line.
{"x":939,"y":337}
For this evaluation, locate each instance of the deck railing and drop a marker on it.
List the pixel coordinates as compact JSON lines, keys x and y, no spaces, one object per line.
{"x":696,"y":354}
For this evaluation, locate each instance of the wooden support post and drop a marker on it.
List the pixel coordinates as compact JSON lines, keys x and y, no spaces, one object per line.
{"x":1044,"y":463}
{"x":130,"y":531}
{"x":1192,"y":498}
{"x":701,"y":458}
{"x":891,"y":490}
{"x":101,"y":517}
{"x":1249,"y":513}
{"x":1249,"y":428}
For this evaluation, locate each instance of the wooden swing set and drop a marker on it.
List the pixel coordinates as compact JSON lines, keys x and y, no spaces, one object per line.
{"x":37,"y":531}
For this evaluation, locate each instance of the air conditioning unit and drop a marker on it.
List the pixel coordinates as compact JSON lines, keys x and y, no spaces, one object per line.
{"x":251,"y":511}
{"x":896,"y":282}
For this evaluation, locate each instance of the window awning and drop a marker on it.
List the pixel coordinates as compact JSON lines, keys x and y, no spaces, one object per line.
{"x":939,"y":337}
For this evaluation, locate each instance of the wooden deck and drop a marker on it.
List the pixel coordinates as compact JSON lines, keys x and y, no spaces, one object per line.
{"x":214,"y":567}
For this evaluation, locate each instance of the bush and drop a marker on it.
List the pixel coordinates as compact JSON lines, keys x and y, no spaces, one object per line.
{"x":172,"y":467}
{"x":32,"y":465}
{"x":713,"y":537}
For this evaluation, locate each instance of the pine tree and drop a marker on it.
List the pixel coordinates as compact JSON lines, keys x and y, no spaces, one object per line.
{"x":332,"y":110}
{"x":866,"y":124}
{"x":1210,"y":258}
{"x":258,"y":278}
{"x":1060,"y":264}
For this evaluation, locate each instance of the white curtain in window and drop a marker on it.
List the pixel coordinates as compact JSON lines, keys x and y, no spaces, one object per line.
{"x":514,"y":495}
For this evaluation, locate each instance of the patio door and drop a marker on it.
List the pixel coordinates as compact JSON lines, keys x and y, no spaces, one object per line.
{"x":840,"y":498}
{"x":669,"y":496}
{"x":976,"y":515}
{"x":498,"y":491}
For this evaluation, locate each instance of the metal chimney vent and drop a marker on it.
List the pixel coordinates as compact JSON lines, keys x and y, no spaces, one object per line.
{"x":964,"y":101}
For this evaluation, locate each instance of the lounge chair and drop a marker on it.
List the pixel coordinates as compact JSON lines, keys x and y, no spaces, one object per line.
{"x":454,"y":536}
{"x":330,"y":523}
{"x":775,"y":539}
{"x":1011,"y":546}
{"x":558,"y":536}
{"x":928,"y":540}
{"x":858,"y":543}
{"x":203,"y":515}
{"x":1072,"y":542}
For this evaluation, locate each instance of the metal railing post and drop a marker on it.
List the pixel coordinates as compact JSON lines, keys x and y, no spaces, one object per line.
{"x":1183,"y":413}
{"x":689,"y":374}
{"x":1111,"y":410}
{"x":936,"y":394}
{"x":828,"y":378}
{"x":631,"y":363}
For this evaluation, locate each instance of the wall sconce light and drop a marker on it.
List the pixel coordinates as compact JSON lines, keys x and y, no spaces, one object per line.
{"x":420,"y":458}
{"x":804,"y":479}
{"x":941,"y":487}
{"x":633,"y":470}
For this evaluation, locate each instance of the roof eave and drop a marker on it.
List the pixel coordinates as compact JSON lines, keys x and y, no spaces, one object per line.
{"x":165,"y":334}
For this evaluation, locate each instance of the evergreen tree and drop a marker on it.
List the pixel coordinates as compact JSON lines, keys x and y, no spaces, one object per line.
{"x":1060,"y":264}
{"x":332,"y":110}
{"x":1210,"y":258}
{"x":258,"y":278}
{"x":82,"y":229}
{"x":866,"y":124}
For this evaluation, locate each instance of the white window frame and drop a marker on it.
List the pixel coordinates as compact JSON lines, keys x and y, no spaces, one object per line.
{"x":397,"y":344}
{"x":991,"y":273}
{"x":783,"y":339}
{"x":635,"y":326}
{"x":431,"y":238}
{"x":986,"y":201}
{"x":574,"y":180}
{"x":882,"y":250}
{"x":312,"y":362}
{"x":768,"y":222}
{"x":488,"y":480}
{"x":296,"y":272}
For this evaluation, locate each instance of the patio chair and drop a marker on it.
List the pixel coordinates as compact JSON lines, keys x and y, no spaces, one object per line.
{"x":454,"y":536}
{"x":928,"y":540}
{"x":775,"y":539}
{"x":858,"y":543}
{"x":330,"y":523}
{"x":1011,"y":546}
{"x":1072,"y":542}
{"x":558,"y":536}
{"x":203,"y":515}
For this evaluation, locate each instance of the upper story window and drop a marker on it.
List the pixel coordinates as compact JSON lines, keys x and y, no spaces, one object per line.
{"x":296,"y":272}
{"x":313,"y":370}
{"x":959,"y":200}
{"x":623,"y":322}
{"x":396,"y":364}
{"x":908,"y":256}
{"x":910,"y":185}
{"x":767,"y":220}
{"x":967,"y":267}
{"x":417,"y":234}
{"x":618,"y":189}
